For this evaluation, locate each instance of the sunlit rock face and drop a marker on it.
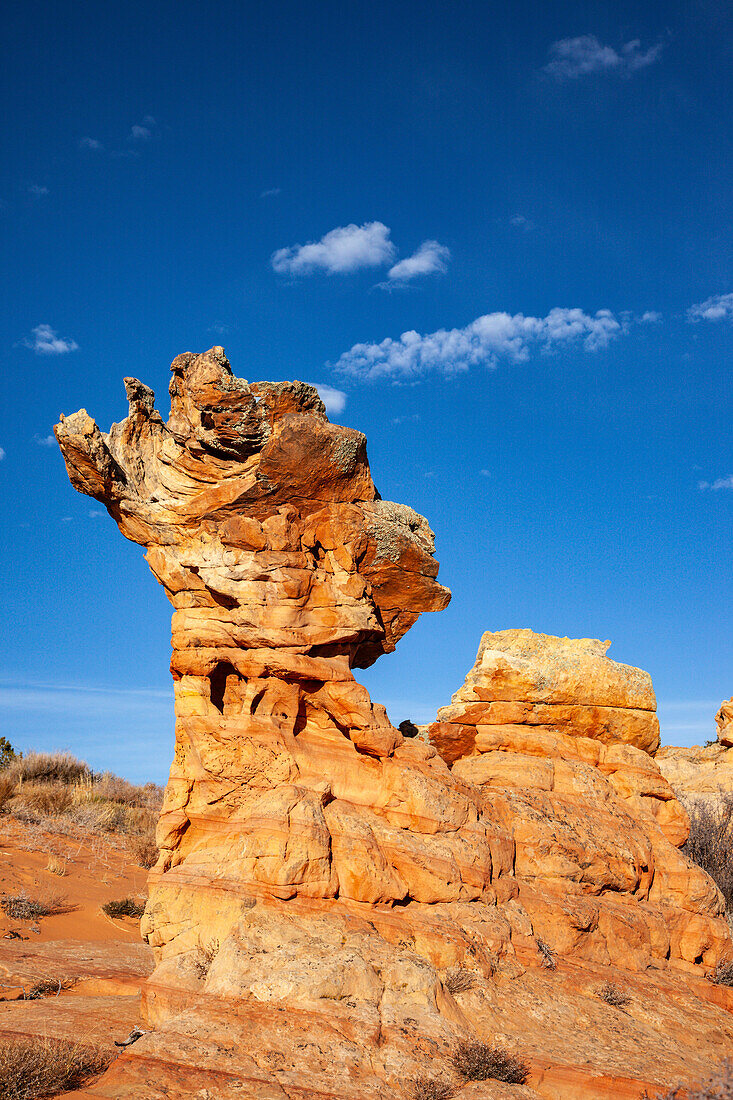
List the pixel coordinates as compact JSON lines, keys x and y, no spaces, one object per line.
{"x":321,"y":877}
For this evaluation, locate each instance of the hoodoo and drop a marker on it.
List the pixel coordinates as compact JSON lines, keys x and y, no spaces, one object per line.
{"x":336,"y":906}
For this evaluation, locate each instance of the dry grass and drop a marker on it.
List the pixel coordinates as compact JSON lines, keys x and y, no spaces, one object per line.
{"x":31,"y":1069}
{"x":22,"y":907}
{"x":143,"y":848}
{"x":125,"y":907}
{"x":458,"y":980}
{"x":613,"y":995}
{"x":56,"y":866}
{"x":480,"y":1062}
{"x":710,"y":843}
{"x":57,"y":792}
{"x":430,"y":1088}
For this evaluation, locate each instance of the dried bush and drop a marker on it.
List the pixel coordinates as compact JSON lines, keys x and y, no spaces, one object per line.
{"x":125,"y":907}
{"x":7,"y":788}
{"x":717,"y":1087}
{"x":476,"y":1061}
{"x":458,"y":980}
{"x":143,"y":849}
{"x":430,"y":1088}
{"x":23,"y":907}
{"x":613,"y":995}
{"x":39,"y":1067}
{"x":723,"y":973}
{"x":548,"y":955}
{"x":49,"y":987}
{"x":52,"y":767}
{"x":710,"y":844}
{"x":42,"y":797}
{"x":205,"y":956}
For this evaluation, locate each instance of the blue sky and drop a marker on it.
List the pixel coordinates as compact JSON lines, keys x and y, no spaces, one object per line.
{"x":537,"y":194}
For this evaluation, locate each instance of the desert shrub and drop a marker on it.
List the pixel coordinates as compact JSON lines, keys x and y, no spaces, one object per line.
{"x":458,"y":980}
{"x":476,"y":1061}
{"x":41,"y":797}
{"x":40,"y":1067}
{"x":53,"y":767}
{"x":7,"y":788}
{"x":718,"y":1087}
{"x":722,"y":974}
{"x":125,"y":907}
{"x":23,"y":907}
{"x":7,"y":753}
{"x":143,"y":849}
{"x":49,"y":987}
{"x":710,"y":843}
{"x":613,"y":995}
{"x":55,"y":865}
{"x":430,"y":1088}
{"x":547,"y":955}
{"x":205,"y":956}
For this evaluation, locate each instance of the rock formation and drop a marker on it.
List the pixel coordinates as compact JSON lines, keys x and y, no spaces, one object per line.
{"x":702,"y":772}
{"x":724,"y":723}
{"x":335,"y":905}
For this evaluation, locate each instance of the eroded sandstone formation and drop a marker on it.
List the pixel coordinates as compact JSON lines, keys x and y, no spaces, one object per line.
{"x":323,"y":879}
{"x":702,"y":772}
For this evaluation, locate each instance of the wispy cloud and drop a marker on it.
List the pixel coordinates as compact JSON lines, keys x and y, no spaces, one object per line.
{"x":719,"y":483}
{"x":520,"y":222}
{"x":717,"y":308}
{"x":345,"y":249}
{"x":91,"y":143}
{"x":333,"y":399}
{"x":571,"y":58}
{"x":408,"y":418}
{"x":2,"y":453}
{"x":220,"y":328}
{"x":45,"y":440}
{"x":143,"y":131}
{"x":651,"y":317}
{"x":484,"y":342}
{"x":431,"y":258}
{"x":44,"y":340}
{"x":270,"y":193}
{"x":37,"y":191}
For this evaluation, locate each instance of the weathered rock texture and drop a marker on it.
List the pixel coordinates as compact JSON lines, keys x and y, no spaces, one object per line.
{"x":322,"y":880}
{"x":702,"y":772}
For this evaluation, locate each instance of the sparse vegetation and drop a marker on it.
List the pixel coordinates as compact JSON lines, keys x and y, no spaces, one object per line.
{"x":547,"y":954}
{"x":22,"y":907}
{"x":125,"y":907}
{"x":205,"y":956}
{"x":710,"y":843}
{"x":31,"y":1069}
{"x":722,"y":974}
{"x":61,"y":793}
{"x":613,"y":995}
{"x":476,"y":1061}
{"x":49,"y":987}
{"x":717,"y":1087}
{"x":458,"y":980}
{"x":56,"y":866}
{"x":430,"y":1088}
{"x":7,"y":753}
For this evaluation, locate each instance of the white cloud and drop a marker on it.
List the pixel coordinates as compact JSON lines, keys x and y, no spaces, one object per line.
{"x":651,"y":317}
{"x":91,"y":143}
{"x":45,"y":440}
{"x":719,"y":483}
{"x":2,"y":453}
{"x":484,"y":342}
{"x":333,"y":399}
{"x":574,"y":57}
{"x":717,"y":308}
{"x":344,"y":249}
{"x":37,"y":191}
{"x":520,"y":222}
{"x":270,"y":193}
{"x":485,"y":473}
{"x":45,"y":341}
{"x":431,"y":258}
{"x":406,"y":419}
{"x":143,"y":131}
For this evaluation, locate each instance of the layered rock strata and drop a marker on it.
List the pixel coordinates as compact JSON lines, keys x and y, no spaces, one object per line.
{"x":335,"y":905}
{"x":702,"y":772}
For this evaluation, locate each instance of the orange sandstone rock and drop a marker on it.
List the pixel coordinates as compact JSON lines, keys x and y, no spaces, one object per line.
{"x":320,"y":874}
